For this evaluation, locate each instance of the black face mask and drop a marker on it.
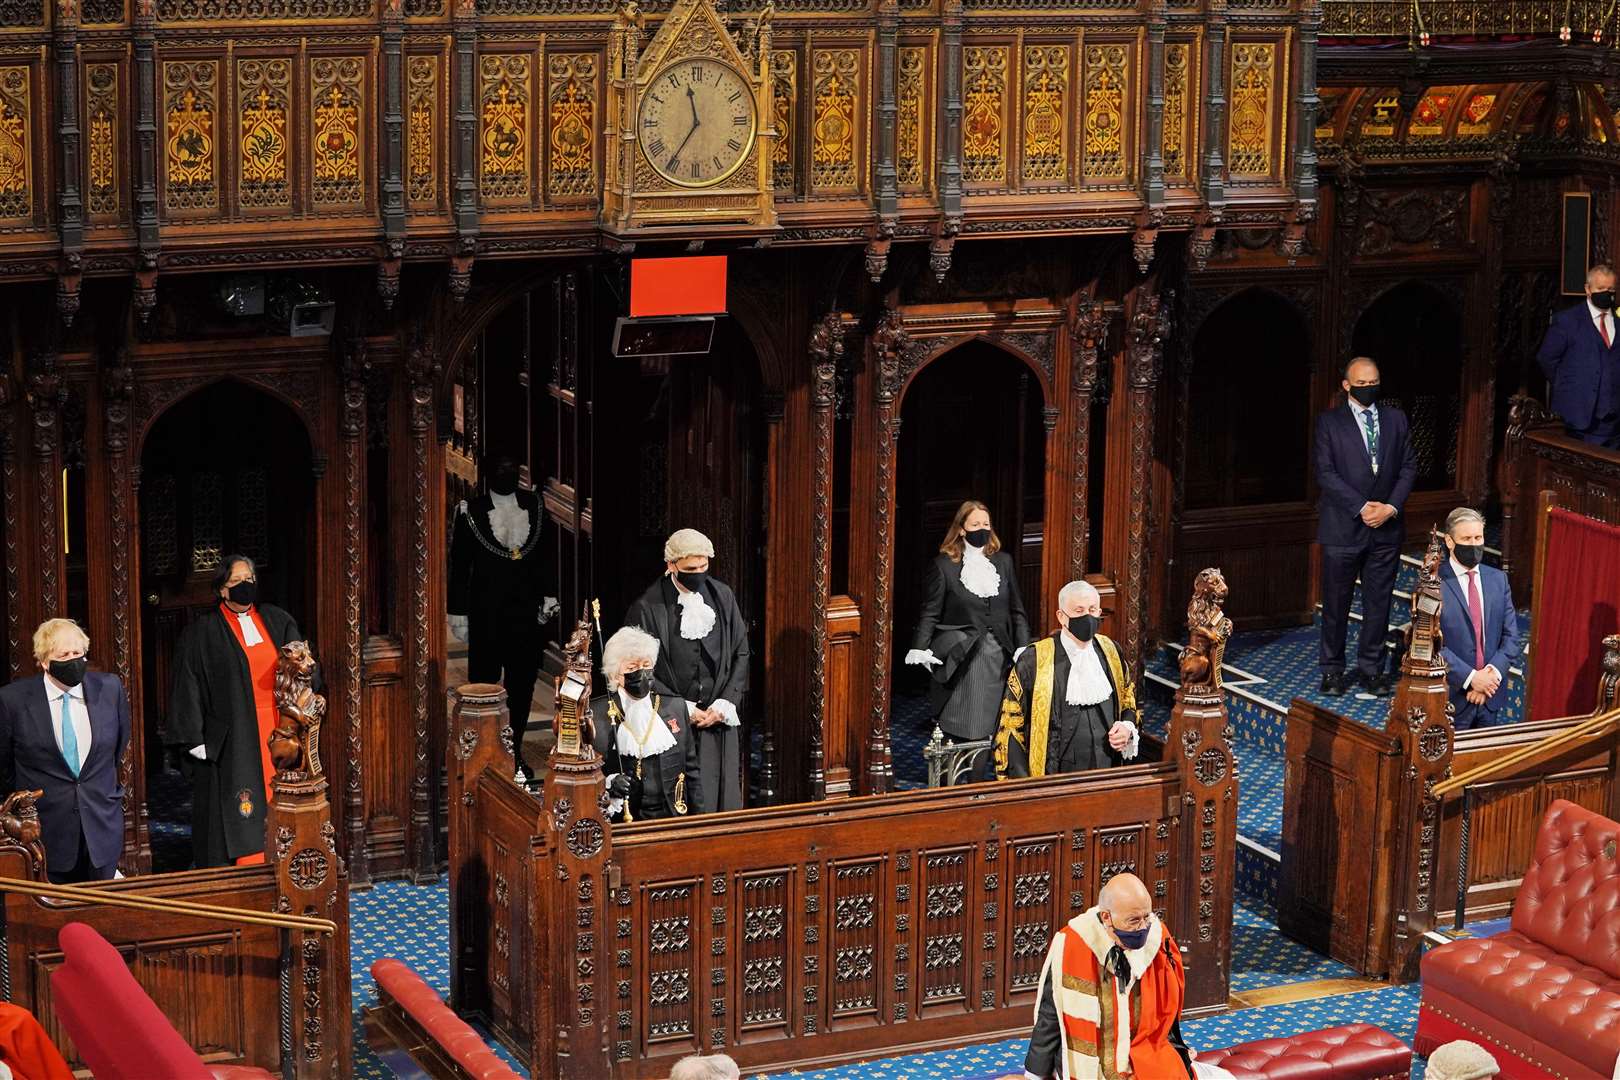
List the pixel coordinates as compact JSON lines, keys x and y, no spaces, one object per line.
{"x":1603,"y":301}
{"x":637,"y":683}
{"x":243,"y":592}
{"x":504,"y":480}
{"x":1366,"y":395}
{"x":1082,"y":627}
{"x":69,"y":673}
{"x":692,"y":579}
{"x":1469,"y":554}
{"x":1133,"y":939}
{"x":977,"y":537}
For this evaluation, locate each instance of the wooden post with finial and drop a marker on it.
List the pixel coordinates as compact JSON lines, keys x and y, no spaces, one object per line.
{"x":477,"y":722}
{"x":1420,"y":726}
{"x":1200,"y":744}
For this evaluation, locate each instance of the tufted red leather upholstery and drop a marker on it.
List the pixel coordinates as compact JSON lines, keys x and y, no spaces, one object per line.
{"x":427,"y":1010}
{"x":1549,"y":988}
{"x":1347,"y":1052}
{"x":1570,"y":898}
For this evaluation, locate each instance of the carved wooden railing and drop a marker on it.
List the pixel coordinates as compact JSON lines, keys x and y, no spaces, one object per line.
{"x":270,"y":990}
{"x":798,"y":935}
{"x":1474,"y":18}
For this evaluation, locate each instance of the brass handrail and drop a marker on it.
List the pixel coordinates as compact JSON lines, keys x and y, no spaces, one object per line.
{"x":1586,"y":731}
{"x":108,"y":898}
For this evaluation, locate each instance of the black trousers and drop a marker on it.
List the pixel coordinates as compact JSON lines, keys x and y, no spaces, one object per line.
{"x":513,"y":651}
{"x":1376,"y":565}
{"x":83,"y":870}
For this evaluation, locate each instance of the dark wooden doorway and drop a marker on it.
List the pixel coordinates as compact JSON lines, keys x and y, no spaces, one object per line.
{"x":971,"y":428}
{"x":227,"y":470}
{"x":1414,"y":332}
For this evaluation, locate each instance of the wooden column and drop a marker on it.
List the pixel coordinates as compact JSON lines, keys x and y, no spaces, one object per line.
{"x":1087,"y":329}
{"x":422,"y":376}
{"x":147,"y":238}
{"x":1421,"y":726}
{"x":46,"y":393}
{"x":1214,"y":125}
{"x":1149,"y":327}
{"x":477,"y":728}
{"x":352,"y":431}
{"x":1305,"y":183}
{"x":69,"y":160}
{"x":826,"y":351}
{"x":581,"y":887}
{"x":1200,"y":744}
{"x":1153,"y":144}
{"x":18,"y":648}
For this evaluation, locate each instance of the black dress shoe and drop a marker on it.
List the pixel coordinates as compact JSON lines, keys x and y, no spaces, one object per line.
{"x":1383,"y":685}
{"x":1333,"y":683}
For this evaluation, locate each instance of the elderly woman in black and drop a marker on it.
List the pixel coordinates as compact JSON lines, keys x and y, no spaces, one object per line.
{"x":971,"y":622}
{"x":648,"y":753}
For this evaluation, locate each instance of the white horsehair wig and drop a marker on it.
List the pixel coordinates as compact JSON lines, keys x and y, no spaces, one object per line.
{"x":627,"y":643}
{"x":684,"y":543}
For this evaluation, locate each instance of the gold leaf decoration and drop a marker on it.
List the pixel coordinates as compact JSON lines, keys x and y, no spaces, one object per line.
{"x":101,"y":111}
{"x":504,"y":139}
{"x":1046,"y":86}
{"x":337,"y":84}
{"x":572,"y":125}
{"x":16,"y":188}
{"x":1177,"y":56}
{"x":1105,"y":112}
{"x":784,"y":97}
{"x":910,"y":153}
{"x":984,"y":152}
{"x":421,"y":172}
{"x":262,"y":89}
{"x":189,"y":88}
{"x":1253,"y":63}
{"x":832,"y":134}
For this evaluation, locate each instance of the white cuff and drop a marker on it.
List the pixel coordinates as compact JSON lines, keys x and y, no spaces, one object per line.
{"x":925,"y":657}
{"x":199,"y":752}
{"x":691,"y":707}
{"x":1135,"y":745}
{"x":727,"y":711}
{"x":1468,"y":682}
{"x":1492,"y":667}
{"x":614,"y":805}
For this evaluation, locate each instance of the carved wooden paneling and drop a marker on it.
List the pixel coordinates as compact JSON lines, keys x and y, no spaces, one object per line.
{"x":768,"y":950}
{"x":424,"y":117}
{"x":338,"y":150}
{"x":836,"y":122}
{"x":947,"y":922}
{"x":1106,"y":148}
{"x":674,"y":968}
{"x":912,"y":129}
{"x":264,"y":101}
{"x":1037,"y":903}
{"x":190,"y":136}
{"x":504,"y":133}
{"x":784,"y":105}
{"x":571,"y":123}
{"x":17,"y":146}
{"x":103,"y":139}
{"x":984,"y":115}
{"x":1047,"y":108}
{"x":1268,"y":548}
{"x":856,"y":898}
{"x":1252,"y":140}
{"x":1180,"y":108}
{"x":387,"y":772}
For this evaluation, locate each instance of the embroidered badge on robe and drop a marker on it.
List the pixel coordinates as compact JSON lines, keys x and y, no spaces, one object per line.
{"x":244,"y":803}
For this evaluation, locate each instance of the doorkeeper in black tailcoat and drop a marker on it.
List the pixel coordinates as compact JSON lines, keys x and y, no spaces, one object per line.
{"x":496,"y":599}
{"x":648,"y":753}
{"x":1070,"y":704}
{"x":972,"y":619}
{"x":702,"y":659}
{"x":219,"y":714}
{"x":63,"y":733}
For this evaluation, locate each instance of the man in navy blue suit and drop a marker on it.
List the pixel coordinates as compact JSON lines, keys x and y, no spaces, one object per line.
{"x":63,"y":732}
{"x":1478,"y":622}
{"x":1365,"y":471}
{"x":1582,"y":362}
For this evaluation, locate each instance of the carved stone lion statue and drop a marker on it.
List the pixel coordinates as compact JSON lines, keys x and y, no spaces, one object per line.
{"x":19,"y":818}
{"x":1207,"y":631}
{"x":298,"y":706}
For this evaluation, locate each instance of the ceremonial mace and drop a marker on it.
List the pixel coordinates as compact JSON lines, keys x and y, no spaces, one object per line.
{"x":613,"y":732}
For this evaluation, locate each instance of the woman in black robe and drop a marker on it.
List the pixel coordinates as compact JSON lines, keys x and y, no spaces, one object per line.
{"x":648,"y":753}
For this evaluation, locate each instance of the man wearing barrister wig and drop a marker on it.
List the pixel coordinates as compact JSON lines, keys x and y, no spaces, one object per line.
{"x":1069,"y":705}
{"x":702,"y":659}
{"x":648,"y":753}
{"x":1110,"y":995}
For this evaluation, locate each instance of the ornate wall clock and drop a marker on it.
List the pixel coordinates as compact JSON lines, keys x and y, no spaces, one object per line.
{"x":688,"y":145}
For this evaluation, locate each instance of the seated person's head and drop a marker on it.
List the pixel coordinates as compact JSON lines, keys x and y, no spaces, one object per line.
{"x":713,"y":1067}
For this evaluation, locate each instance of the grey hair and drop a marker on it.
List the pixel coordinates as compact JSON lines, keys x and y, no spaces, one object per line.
{"x":1463,"y":515}
{"x":1598,"y":268}
{"x":627,"y":643}
{"x":1074,"y":589}
{"x":713,"y":1067}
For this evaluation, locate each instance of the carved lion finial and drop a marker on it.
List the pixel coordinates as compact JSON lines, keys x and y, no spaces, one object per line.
{"x":1207,"y":631}
{"x":300,"y":710}
{"x":19,"y":817}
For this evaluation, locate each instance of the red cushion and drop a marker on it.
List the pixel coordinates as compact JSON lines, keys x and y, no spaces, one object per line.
{"x":423,"y":1004}
{"x":1534,"y":991}
{"x":1347,"y":1052}
{"x":118,"y":1031}
{"x":241,"y":1072}
{"x":1570,"y":898}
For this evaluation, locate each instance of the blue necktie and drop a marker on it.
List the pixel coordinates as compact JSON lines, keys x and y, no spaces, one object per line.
{"x":1369,"y":419}
{"x":70,"y":737}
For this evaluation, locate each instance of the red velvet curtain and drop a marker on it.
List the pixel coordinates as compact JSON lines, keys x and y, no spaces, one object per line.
{"x":1578,"y":605}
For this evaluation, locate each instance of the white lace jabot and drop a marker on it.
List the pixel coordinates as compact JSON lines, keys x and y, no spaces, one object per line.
{"x":697,"y":617}
{"x":508,"y":522}
{"x":642,"y":733}
{"x":979,"y":575}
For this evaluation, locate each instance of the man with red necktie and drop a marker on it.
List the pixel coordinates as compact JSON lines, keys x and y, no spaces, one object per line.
{"x":1478,"y":621}
{"x":1581,"y":359}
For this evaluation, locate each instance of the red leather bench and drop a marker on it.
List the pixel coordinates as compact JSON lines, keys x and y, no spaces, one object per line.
{"x":1544,"y":995}
{"x":415,"y":1018}
{"x":1347,"y":1052}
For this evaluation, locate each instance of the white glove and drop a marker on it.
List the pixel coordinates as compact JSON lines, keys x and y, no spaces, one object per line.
{"x":924,"y":657}
{"x":458,"y":627}
{"x":549,"y":609}
{"x":199,"y":752}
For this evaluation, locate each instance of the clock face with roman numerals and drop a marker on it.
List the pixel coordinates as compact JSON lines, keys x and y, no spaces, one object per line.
{"x":697,"y":122}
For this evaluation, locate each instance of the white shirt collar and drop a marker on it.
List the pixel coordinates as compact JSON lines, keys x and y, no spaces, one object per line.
{"x":1461,"y":571}
{"x":1593,"y":312}
{"x":1358,"y":408}
{"x":56,"y":693}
